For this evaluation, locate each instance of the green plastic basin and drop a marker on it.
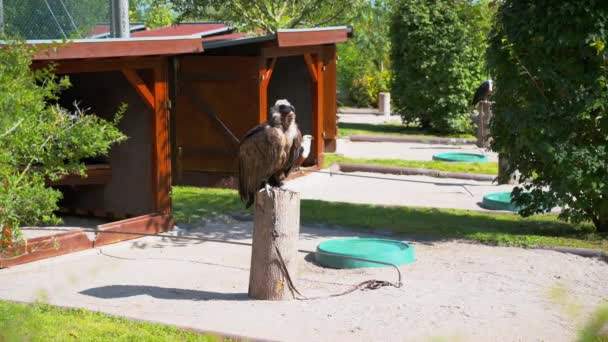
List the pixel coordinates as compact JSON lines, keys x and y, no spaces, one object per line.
{"x":460,"y":157}
{"x":499,"y":201}
{"x":389,"y":251}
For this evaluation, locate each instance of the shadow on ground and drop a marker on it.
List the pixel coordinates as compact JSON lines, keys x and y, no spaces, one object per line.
{"x":124,"y":291}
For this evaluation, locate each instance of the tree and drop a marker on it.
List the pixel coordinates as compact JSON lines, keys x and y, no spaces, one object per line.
{"x":39,"y":141}
{"x":153,"y":13}
{"x":270,"y":15}
{"x":364,"y":66}
{"x":438,"y":60}
{"x":38,"y":19}
{"x":551,"y":113}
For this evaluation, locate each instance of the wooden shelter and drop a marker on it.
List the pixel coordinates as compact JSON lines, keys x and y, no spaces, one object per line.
{"x":190,"y":99}
{"x":221,"y":94}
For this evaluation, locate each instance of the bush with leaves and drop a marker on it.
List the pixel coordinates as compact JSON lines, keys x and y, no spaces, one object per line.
{"x":364,"y":60}
{"x":438,"y":59}
{"x":270,"y":15}
{"x":551,"y":113}
{"x":153,"y":13}
{"x":39,"y":141}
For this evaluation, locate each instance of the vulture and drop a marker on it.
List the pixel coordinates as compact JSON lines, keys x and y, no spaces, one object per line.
{"x":483,"y":92}
{"x":269,"y":152}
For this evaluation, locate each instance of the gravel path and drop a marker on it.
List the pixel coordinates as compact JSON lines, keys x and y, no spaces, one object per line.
{"x":406,"y":151}
{"x":454,"y":290}
{"x":416,"y":191}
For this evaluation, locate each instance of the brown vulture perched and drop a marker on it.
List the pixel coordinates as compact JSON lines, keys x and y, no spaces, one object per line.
{"x":269,"y":152}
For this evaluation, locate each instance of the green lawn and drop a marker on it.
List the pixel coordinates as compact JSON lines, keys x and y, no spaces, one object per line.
{"x":192,"y":204}
{"x":41,"y":322}
{"x":348,"y":129}
{"x":490,"y":168}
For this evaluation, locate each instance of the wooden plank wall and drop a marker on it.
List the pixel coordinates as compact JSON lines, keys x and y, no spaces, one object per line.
{"x":226,"y":86}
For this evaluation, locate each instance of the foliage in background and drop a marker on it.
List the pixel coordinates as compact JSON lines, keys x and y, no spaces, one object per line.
{"x":40,"y":19}
{"x":39,"y":141}
{"x":270,"y":15}
{"x":364,"y":61}
{"x":438,"y":51}
{"x":153,"y":13}
{"x":551,"y":113}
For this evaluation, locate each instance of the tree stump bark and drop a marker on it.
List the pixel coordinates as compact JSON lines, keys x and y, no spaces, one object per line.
{"x":483,"y":127}
{"x":276,"y":226}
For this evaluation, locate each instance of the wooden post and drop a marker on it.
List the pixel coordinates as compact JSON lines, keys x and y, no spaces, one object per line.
{"x":276,"y":226}
{"x":483,"y":126}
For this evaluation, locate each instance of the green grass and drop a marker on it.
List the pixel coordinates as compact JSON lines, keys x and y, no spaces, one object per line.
{"x":41,"y":322}
{"x":348,"y":129}
{"x":193,"y":204}
{"x":490,"y":168}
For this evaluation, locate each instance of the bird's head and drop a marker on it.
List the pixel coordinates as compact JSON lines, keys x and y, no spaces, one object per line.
{"x":285,"y":110}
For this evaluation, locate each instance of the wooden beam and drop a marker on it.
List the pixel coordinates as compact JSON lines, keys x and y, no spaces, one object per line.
{"x":263,"y":90}
{"x":276,"y":51}
{"x":98,"y":65}
{"x":269,"y":71}
{"x":140,"y":87}
{"x":310,"y":64}
{"x":316,"y":37}
{"x":161,"y":150}
{"x":318,"y":112}
{"x":117,"y":48}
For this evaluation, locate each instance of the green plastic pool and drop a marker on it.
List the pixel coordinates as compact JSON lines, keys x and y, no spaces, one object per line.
{"x":389,"y":251}
{"x":460,"y":157}
{"x":499,"y":201}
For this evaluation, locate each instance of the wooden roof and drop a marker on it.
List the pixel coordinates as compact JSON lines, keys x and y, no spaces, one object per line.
{"x":179,"y":39}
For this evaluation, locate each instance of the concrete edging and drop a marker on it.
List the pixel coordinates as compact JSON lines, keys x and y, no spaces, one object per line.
{"x":412,"y":139}
{"x":410,"y":171}
{"x":583,"y":252}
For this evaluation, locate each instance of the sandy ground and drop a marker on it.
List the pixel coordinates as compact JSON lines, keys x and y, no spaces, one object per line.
{"x":416,"y":191}
{"x":406,"y":151}
{"x":454,"y":290}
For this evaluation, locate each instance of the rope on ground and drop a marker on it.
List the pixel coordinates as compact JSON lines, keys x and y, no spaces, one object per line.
{"x":371,"y":284}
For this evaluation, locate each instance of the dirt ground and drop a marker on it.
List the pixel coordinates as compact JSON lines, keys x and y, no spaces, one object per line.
{"x":454,"y":290}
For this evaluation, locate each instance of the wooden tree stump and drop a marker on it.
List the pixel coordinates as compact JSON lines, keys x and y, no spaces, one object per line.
{"x":483,"y":127}
{"x":276,"y":225}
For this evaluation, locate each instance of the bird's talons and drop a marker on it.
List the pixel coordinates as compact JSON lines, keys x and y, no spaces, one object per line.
{"x":267,"y":188}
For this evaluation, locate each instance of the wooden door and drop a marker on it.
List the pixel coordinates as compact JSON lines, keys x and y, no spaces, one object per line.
{"x":217,"y":101}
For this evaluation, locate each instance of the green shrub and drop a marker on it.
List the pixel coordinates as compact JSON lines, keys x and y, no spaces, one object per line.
{"x":365,"y":88}
{"x":551,"y":113}
{"x":39,"y":141}
{"x":438,"y":60}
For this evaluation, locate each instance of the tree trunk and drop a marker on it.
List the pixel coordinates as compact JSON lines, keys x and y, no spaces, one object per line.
{"x":276,"y":226}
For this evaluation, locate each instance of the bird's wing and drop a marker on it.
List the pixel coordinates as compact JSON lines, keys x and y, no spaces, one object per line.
{"x":259,"y":155}
{"x":294,"y":154}
{"x":480,"y":92}
{"x":255,"y":130}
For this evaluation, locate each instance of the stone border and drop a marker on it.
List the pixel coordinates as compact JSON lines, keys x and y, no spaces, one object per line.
{"x":583,"y":252}
{"x":409,"y":171}
{"x":412,"y":139}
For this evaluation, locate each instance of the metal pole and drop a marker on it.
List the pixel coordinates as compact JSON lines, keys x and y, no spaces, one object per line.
{"x":119,"y":23}
{"x":1,"y":18}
